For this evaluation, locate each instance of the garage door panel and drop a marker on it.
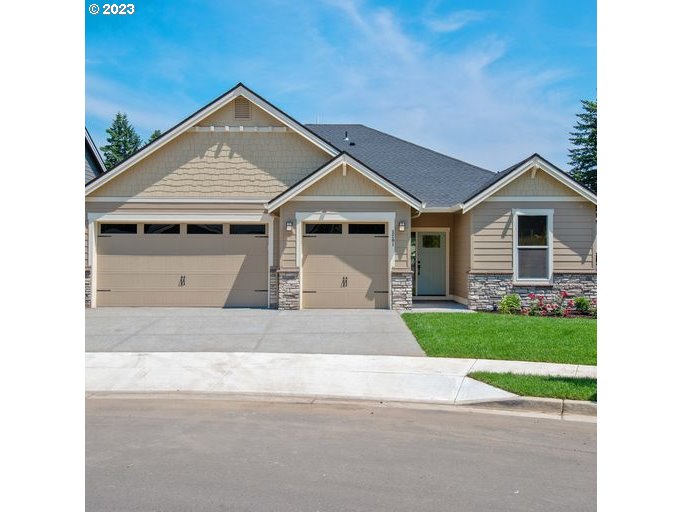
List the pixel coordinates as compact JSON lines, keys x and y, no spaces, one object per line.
{"x":331,"y":280}
{"x":349,"y":264}
{"x":146,"y":270}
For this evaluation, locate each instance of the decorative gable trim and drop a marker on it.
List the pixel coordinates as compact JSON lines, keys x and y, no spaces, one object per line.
{"x":345,"y":159}
{"x":185,"y":125}
{"x":531,"y":164}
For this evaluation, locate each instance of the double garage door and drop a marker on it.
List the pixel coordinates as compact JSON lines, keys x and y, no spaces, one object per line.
{"x":345,"y":265}
{"x":219,"y":265}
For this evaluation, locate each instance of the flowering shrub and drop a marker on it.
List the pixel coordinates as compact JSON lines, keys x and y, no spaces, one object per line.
{"x":540,"y":305}
{"x":585,"y":306}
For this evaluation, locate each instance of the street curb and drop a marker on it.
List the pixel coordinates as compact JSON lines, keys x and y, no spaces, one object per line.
{"x":523,"y":405}
{"x":542,"y":405}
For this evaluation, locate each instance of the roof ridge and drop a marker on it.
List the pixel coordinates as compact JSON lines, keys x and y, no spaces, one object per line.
{"x":412,"y":144}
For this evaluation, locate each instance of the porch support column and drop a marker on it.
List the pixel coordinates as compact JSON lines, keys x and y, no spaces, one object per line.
{"x":401,"y":289}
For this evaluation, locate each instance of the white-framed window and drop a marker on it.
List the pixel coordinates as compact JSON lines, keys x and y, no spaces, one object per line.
{"x":533,"y":251}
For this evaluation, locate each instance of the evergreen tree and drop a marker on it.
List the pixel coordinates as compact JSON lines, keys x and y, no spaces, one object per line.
{"x":123,"y":141}
{"x":583,"y":155}
{"x":155,"y":135}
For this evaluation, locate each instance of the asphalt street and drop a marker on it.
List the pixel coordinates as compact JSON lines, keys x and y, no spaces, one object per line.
{"x":149,"y":454}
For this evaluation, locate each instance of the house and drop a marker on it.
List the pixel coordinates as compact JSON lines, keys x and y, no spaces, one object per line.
{"x":240,"y":205}
{"x":94,"y":166}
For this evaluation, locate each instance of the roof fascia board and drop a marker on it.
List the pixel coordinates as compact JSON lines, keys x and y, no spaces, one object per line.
{"x":332,"y":165}
{"x":239,"y":90}
{"x":535,"y":162}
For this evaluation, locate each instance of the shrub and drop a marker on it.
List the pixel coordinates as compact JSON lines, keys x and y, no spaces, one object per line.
{"x":582,"y":305}
{"x":510,"y":304}
{"x":540,"y":305}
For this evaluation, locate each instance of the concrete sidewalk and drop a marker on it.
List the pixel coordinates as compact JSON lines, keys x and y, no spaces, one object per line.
{"x":389,"y":378}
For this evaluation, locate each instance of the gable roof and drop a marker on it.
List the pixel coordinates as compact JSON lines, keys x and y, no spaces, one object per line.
{"x":345,"y":158}
{"x":94,"y":165}
{"x":439,"y":180}
{"x":503,"y":178}
{"x":170,"y":134}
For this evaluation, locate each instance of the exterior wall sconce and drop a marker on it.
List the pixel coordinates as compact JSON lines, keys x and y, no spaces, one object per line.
{"x":290,"y":226}
{"x":401,"y":225}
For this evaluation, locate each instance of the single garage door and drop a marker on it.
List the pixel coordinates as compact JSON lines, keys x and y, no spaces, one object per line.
{"x":217,"y":265}
{"x":345,"y":265}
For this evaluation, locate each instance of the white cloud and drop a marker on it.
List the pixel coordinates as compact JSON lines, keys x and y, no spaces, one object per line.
{"x":454,"y":21}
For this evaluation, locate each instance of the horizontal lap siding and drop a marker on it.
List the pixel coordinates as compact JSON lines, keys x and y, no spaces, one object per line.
{"x":574,"y":235}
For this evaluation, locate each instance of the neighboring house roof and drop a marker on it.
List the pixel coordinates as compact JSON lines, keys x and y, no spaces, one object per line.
{"x":94,"y":166}
{"x":344,"y":158}
{"x":534,"y":161}
{"x":437,"y":179}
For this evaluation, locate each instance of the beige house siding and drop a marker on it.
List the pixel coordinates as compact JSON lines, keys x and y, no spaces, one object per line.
{"x":574,"y":235}
{"x":219,"y":165}
{"x":352,"y":184}
{"x":460,"y":263}
{"x":106,"y":207}
{"x":541,"y":185}
{"x":287,"y":245}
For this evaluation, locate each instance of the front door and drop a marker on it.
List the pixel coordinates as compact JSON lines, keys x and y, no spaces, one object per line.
{"x":429,"y":260}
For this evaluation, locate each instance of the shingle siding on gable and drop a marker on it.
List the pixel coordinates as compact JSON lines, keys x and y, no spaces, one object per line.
{"x":542,"y":185}
{"x":220,"y":165}
{"x":225,"y":117}
{"x":352,"y":184}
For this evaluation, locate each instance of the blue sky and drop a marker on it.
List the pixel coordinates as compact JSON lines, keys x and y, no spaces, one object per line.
{"x":489,"y":82}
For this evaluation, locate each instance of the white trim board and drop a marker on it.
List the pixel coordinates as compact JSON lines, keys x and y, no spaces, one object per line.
{"x":369,"y":199}
{"x":343,"y":159}
{"x":239,"y":90}
{"x":301,"y":217}
{"x":536,"y":199}
{"x":188,"y":199}
{"x":534,"y":163}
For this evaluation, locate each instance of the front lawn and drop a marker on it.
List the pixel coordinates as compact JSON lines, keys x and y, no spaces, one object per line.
{"x":542,"y":386}
{"x":496,"y":336}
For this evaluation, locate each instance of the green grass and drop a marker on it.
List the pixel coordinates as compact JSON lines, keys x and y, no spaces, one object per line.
{"x":495,"y":336}
{"x":542,"y":386}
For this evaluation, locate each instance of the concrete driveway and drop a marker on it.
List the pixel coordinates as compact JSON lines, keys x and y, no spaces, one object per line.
{"x":364,"y":332}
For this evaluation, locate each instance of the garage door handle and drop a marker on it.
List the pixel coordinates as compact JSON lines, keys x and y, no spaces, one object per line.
{"x":344,"y":282}
{"x":183,"y":281}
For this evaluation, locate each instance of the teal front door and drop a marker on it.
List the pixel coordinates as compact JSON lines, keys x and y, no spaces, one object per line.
{"x":430,"y":263}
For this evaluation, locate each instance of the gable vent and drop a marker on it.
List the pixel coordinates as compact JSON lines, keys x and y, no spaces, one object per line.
{"x":242,"y":108}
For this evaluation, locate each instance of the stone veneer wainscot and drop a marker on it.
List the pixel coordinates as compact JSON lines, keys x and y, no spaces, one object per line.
{"x":401,"y":289}
{"x":486,"y":290}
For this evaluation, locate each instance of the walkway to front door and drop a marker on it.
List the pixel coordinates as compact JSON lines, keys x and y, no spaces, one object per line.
{"x":321,"y":331}
{"x":429,"y":261}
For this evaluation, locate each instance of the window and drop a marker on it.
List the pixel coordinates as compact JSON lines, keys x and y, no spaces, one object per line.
{"x":533,"y":247}
{"x":162,"y":229}
{"x":204,"y":229}
{"x":247,"y":229}
{"x":431,"y":241}
{"x":118,"y":229}
{"x":323,"y":229}
{"x":366,"y":229}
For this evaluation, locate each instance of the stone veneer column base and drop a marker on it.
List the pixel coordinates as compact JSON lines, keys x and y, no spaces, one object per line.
{"x":289,"y":288}
{"x":401,"y":289}
{"x":486,"y":290}
{"x":88,"y":287}
{"x":274,"y":288}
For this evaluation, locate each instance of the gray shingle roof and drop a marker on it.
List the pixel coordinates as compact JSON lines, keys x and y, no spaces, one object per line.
{"x":436,"y":179}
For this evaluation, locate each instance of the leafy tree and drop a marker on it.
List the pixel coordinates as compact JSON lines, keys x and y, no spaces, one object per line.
{"x":583,"y":155}
{"x":123,"y":141}
{"x":155,"y":135}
